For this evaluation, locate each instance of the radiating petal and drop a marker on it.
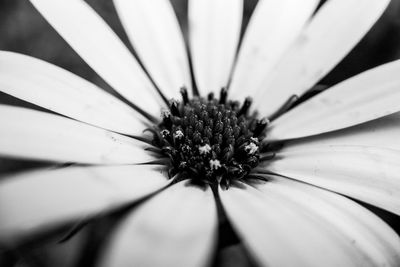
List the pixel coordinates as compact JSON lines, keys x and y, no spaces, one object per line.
{"x":367,"y":96}
{"x":60,"y":91}
{"x":154,"y":31}
{"x":40,"y":200}
{"x":100,"y":47}
{"x":31,"y":134}
{"x":175,"y":228}
{"x":273,"y":27}
{"x":336,"y":28}
{"x":383,"y":132}
{"x":214,"y":30}
{"x":289,"y":224}
{"x":369,"y":174}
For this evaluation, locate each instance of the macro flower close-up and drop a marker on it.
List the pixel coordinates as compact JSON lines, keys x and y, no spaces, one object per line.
{"x":215,"y":134}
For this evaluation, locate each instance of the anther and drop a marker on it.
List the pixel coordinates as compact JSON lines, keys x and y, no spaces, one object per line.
{"x":215,"y":164}
{"x":183,"y":165}
{"x":204,"y":150}
{"x":223,"y":95}
{"x":260,"y":127}
{"x":228,"y":153}
{"x":184,"y":94}
{"x":245,"y":107}
{"x":251,"y":148}
{"x":186,"y":149}
{"x":165,"y":113}
{"x":165,"y":133}
{"x":197,"y":137}
{"x":204,"y":115}
{"x":218,"y":139}
{"x":219,"y":126}
{"x":208,"y":132}
{"x":254,"y":140}
{"x":174,"y":107}
{"x":178,"y":134}
{"x":199,"y":126}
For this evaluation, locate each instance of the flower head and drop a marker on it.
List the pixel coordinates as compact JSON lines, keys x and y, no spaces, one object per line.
{"x":240,"y":139}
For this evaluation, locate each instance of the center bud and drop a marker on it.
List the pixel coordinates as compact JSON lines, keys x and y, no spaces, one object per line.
{"x":210,"y":140}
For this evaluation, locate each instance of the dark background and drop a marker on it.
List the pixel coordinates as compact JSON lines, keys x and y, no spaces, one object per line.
{"x":22,"y":29}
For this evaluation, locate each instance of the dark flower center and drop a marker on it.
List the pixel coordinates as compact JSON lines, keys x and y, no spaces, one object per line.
{"x":210,"y":140}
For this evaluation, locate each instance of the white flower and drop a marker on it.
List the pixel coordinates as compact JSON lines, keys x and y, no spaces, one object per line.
{"x":344,"y":140}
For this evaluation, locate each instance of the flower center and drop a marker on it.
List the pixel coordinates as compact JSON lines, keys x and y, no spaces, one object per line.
{"x":210,"y":140}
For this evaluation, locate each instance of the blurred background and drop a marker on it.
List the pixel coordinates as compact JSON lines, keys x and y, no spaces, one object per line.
{"x":23,"y":30}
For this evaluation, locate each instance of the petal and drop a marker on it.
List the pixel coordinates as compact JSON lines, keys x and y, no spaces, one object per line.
{"x":383,"y":132}
{"x":273,"y":26}
{"x":365,"y":173}
{"x":100,"y":47}
{"x":214,"y":30}
{"x":175,"y":228}
{"x":336,"y":28}
{"x":31,"y":134}
{"x":40,"y":200}
{"x":289,"y":224}
{"x":154,"y":31}
{"x":362,"y":98}
{"x":53,"y":88}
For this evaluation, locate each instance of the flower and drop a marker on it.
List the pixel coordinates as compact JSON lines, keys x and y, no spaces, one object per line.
{"x":283,"y":180}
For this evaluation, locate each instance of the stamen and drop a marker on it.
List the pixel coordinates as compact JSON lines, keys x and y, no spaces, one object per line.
{"x":165,"y":133}
{"x":245,"y":107}
{"x":215,"y":164}
{"x":204,"y":149}
{"x":254,"y":140}
{"x":178,"y":134}
{"x":251,"y":148}
{"x":260,"y":126}
{"x":185,"y":96}
{"x":165,"y":113}
{"x":174,"y":107}
{"x":223,"y":95}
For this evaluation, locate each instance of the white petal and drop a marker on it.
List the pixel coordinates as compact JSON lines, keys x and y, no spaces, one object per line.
{"x":383,"y":132}
{"x":369,"y":174}
{"x":290,"y":225}
{"x":31,"y":134}
{"x":40,"y":200}
{"x":100,"y":47}
{"x":58,"y":90}
{"x":175,"y":228}
{"x":362,"y":98}
{"x":273,"y":27}
{"x":214,"y":30}
{"x":154,"y":31}
{"x":336,"y":28}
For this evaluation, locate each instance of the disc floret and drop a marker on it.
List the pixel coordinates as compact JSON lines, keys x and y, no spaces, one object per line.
{"x":210,"y":140}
